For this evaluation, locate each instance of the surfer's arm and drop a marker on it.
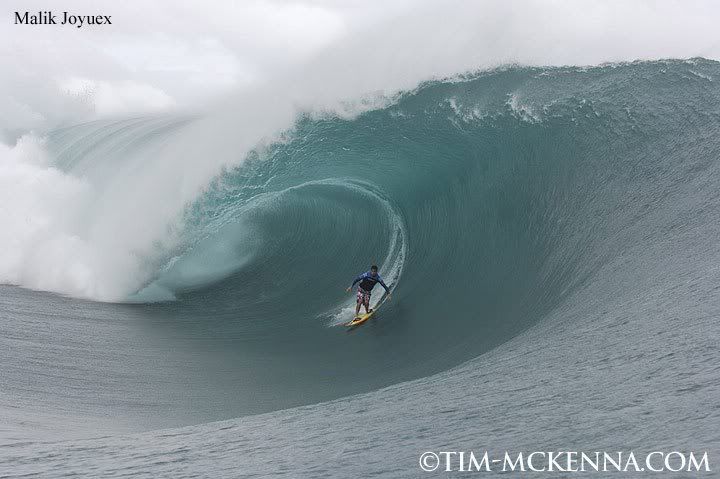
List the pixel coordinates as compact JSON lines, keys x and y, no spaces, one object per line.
{"x":358,"y":279}
{"x":382,"y":283}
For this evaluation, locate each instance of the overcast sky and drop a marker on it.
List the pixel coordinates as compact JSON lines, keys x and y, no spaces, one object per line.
{"x":176,"y":54}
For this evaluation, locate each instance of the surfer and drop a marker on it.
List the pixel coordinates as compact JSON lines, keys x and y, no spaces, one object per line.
{"x":367,"y":281}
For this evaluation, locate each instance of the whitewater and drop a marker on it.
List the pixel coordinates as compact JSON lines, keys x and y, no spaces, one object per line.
{"x":173,"y":281}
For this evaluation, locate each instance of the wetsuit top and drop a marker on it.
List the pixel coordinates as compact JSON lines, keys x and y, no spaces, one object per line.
{"x":368,"y":281}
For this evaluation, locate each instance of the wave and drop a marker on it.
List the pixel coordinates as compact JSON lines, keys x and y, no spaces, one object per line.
{"x":488,"y":203}
{"x":253,"y":229}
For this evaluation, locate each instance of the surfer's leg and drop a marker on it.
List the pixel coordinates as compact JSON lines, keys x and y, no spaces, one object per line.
{"x":366,"y":302}
{"x":363,"y":299}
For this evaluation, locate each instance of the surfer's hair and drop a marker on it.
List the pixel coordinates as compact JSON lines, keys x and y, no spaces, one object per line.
{"x":373,"y":267}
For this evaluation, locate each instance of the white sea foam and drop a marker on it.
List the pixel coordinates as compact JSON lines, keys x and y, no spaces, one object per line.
{"x":44,"y":240}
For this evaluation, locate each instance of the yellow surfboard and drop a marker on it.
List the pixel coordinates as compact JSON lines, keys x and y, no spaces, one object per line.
{"x":360,"y":319}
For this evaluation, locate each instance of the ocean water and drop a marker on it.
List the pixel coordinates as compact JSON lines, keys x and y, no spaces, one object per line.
{"x":550,"y":235}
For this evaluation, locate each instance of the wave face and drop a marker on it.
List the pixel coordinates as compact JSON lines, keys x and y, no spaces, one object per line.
{"x":487,"y":202}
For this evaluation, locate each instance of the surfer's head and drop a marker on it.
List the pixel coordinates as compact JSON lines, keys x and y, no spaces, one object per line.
{"x":374,"y":269}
